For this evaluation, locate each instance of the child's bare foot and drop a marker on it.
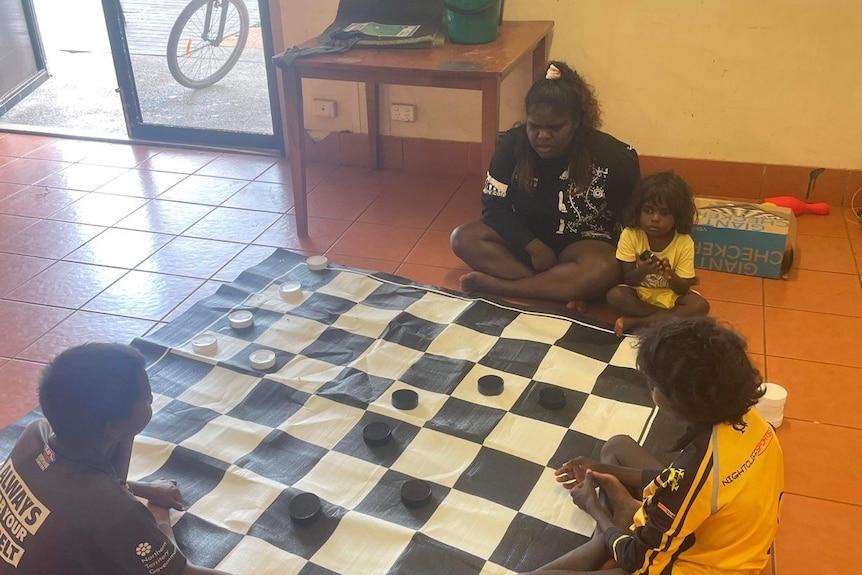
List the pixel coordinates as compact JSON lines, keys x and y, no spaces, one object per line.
{"x":579,"y":306}
{"x":476,"y":282}
{"x":620,"y":327}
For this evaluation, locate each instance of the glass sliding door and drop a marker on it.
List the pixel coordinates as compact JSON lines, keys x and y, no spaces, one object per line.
{"x":196,"y":71}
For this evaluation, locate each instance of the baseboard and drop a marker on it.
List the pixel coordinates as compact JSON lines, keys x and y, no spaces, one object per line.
{"x":710,"y":178}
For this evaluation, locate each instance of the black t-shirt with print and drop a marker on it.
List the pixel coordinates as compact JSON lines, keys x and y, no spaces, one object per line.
{"x":67,"y":512}
{"x":557,"y":211}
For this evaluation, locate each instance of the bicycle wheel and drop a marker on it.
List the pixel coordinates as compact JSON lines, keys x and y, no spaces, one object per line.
{"x":197,"y":57}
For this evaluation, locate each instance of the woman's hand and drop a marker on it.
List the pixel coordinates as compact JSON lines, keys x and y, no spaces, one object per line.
{"x":542,"y":257}
{"x":162,"y":493}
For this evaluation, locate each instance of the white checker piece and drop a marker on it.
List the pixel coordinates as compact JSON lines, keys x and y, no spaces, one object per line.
{"x":322,"y":422}
{"x":552,"y":503}
{"x":227,"y":438}
{"x":386,"y":359}
{"x":469,"y":523}
{"x":220,"y":390}
{"x":460,"y":342}
{"x":436,"y":457}
{"x":270,"y":299}
{"x":363,"y":544}
{"x":526,"y":438}
{"x":365,"y":320}
{"x":253,"y":555}
{"x":437,"y":308}
{"x":306,"y":374}
{"x":569,"y":370}
{"x":228,"y":346}
{"x":513,"y":387}
{"x":350,"y":286}
{"x":538,"y":328}
{"x":291,"y":333}
{"x":341,"y":479}
{"x":603,"y":418}
{"x":238,"y":500}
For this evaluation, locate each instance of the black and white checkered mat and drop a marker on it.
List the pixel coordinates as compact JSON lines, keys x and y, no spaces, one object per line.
{"x":243,"y":443}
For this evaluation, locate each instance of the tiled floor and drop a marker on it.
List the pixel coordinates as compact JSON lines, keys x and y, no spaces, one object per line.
{"x":106,"y":241}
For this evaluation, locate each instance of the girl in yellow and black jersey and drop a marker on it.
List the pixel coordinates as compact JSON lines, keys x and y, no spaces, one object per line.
{"x":714,"y":509}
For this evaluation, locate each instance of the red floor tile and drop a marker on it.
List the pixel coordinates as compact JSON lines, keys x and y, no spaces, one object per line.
{"x":203,"y":190}
{"x":99,"y":209}
{"x":206,"y":290}
{"x":813,"y":336}
{"x":23,"y":144}
{"x":121,"y":155}
{"x":434,"y":249}
{"x":192,"y":257}
{"x":263,"y":196}
{"x":30,"y":323}
{"x":141,"y":183}
{"x":7,"y":190}
{"x":805,"y":443}
{"x":11,"y":225}
{"x":322,"y":233}
{"x":119,"y":248}
{"x":66,"y":284}
{"x":825,"y":254}
{"x":248,"y":257}
{"x":165,"y":217}
{"x":18,"y":269}
{"x":82,"y":177}
{"x":367,"y":264}
{"x":813,"y":536}
{"x":38,"y":201}
{"x":240,"y":166}
{"x":182,"y":161}
{"x":50,"y":239}
{"x":85,"y":327}
{"x":232,"y":224}
{"x":431,"y":275}
{"x":819,"y":392}
{"x":144,"y":295}
{"x":376,"y":241}
{"x":809,"y":290}
{"x":19,"y":382}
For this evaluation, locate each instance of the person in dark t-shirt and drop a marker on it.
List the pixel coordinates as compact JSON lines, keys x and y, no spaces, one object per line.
{"x":552,"y":200}
{"x":67,"y":506}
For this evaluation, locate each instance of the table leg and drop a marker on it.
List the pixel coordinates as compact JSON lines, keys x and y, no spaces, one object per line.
{"x":296,"y":147}
{"x":490,"y":118}
{"x":540,"y":59}
{"x":372,"y":102}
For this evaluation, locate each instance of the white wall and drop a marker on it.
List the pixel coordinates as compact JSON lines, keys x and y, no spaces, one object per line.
{"x":768,"y":81}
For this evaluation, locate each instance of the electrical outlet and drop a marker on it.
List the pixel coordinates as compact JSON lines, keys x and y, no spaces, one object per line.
{"x":325,"y":108}
{"x":402,"y":113}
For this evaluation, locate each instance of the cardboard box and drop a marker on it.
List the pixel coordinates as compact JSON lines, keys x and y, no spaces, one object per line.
{"x":744,"y":238}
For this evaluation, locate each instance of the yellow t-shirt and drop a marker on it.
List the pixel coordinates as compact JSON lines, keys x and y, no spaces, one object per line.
{"x":654,"y":289}
{"x":713,"y":511}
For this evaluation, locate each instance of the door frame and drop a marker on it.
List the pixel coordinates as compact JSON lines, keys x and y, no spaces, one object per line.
{"x":138,"y":129}
{"x":27,"y":87}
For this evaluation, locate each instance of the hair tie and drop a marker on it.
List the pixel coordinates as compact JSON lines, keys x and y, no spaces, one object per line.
{"x":553,"y":73}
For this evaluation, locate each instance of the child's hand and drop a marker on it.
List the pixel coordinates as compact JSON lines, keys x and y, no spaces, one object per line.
{"x":665,"y":269}
{"x":649,"y":266}
{"x":163,"y":493}
{"x":584,"y":494}
{"x":572,"y":472}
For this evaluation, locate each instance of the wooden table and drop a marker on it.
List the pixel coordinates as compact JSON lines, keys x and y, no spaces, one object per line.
{"x":470,"y":67}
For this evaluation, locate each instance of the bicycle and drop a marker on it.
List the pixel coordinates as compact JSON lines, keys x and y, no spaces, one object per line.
{"x":207,"y":41}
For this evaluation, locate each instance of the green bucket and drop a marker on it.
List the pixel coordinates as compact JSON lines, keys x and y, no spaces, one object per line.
{"x":472,"y":21}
